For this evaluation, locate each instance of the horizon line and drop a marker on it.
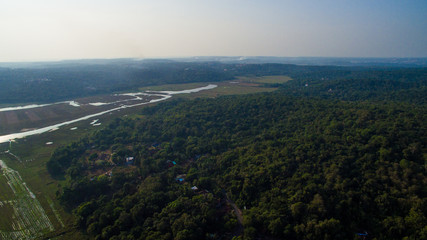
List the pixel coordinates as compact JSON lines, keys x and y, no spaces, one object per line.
{"x":201,"y":56}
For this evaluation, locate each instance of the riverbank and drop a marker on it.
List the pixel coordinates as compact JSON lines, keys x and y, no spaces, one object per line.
{"x":147,"y":98}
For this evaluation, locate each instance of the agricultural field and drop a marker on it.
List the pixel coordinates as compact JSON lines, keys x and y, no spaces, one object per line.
{"x":28,"y":157}
{"x":29,"y":162}
{"x":27,"y":218}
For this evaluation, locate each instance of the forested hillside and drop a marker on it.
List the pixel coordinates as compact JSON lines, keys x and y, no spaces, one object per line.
{"x":297,"y":168}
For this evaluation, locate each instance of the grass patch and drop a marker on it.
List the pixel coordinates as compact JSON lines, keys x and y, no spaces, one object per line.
{"x":6,"y":210}
{"x":57,"y":215}
{"x":224,"y":88}
{"x":174,"y":87}
{"x":266,"y":79}
{"x":228,"y":88}
{"x":5,"y":192}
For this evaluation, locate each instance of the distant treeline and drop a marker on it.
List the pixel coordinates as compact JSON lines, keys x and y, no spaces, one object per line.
{"x":377,"y":84}
{"x":62,"y":82}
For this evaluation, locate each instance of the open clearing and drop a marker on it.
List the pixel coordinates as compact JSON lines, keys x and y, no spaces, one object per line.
{"x":174,"y":87}
{"x":242,"y":85}
{"x":266,"y":79}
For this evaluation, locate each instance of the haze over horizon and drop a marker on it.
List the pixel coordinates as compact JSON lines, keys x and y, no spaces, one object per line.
{"x":57,"y":30}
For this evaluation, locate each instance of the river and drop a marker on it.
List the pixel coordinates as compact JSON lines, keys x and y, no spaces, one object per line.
{"x":162,"y":94}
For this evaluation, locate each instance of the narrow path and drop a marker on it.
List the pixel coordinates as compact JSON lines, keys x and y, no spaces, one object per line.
{"x":238,"y":213}
{"x":13,"y":155}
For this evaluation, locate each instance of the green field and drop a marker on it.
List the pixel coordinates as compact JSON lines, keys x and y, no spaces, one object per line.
{"x":266,"y":79}
{"x":173,"y":87}
{"x":231,"y":89}
{"x":5,"y":192}
{"x":6,"y":210}
{"x":224,"y":88}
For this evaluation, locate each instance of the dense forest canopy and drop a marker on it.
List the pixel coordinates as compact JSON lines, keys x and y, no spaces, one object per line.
{"x":299,"y":164}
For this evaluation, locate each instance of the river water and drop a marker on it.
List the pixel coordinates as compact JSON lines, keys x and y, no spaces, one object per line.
{"x":162,"y":94}
{"x":72,"y":103}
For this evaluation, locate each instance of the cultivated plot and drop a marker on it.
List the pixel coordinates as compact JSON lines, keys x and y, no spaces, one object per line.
{"x":27,"y":218}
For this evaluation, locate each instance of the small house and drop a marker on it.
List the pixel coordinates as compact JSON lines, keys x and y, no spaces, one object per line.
{"x":129,"y":161}
{"x":153,"y":147}
{"x":170,"y":163}
{"x":180,"y":178}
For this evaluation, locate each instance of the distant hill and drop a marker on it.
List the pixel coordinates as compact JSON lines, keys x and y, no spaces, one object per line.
{"x":313,"y":61}
{"x":316,"y":61}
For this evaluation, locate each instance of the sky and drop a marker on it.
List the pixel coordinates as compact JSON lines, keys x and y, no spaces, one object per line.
{"x":46,"y":30}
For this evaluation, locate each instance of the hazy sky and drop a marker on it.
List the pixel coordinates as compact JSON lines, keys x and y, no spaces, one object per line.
{"x":33,"y":30}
